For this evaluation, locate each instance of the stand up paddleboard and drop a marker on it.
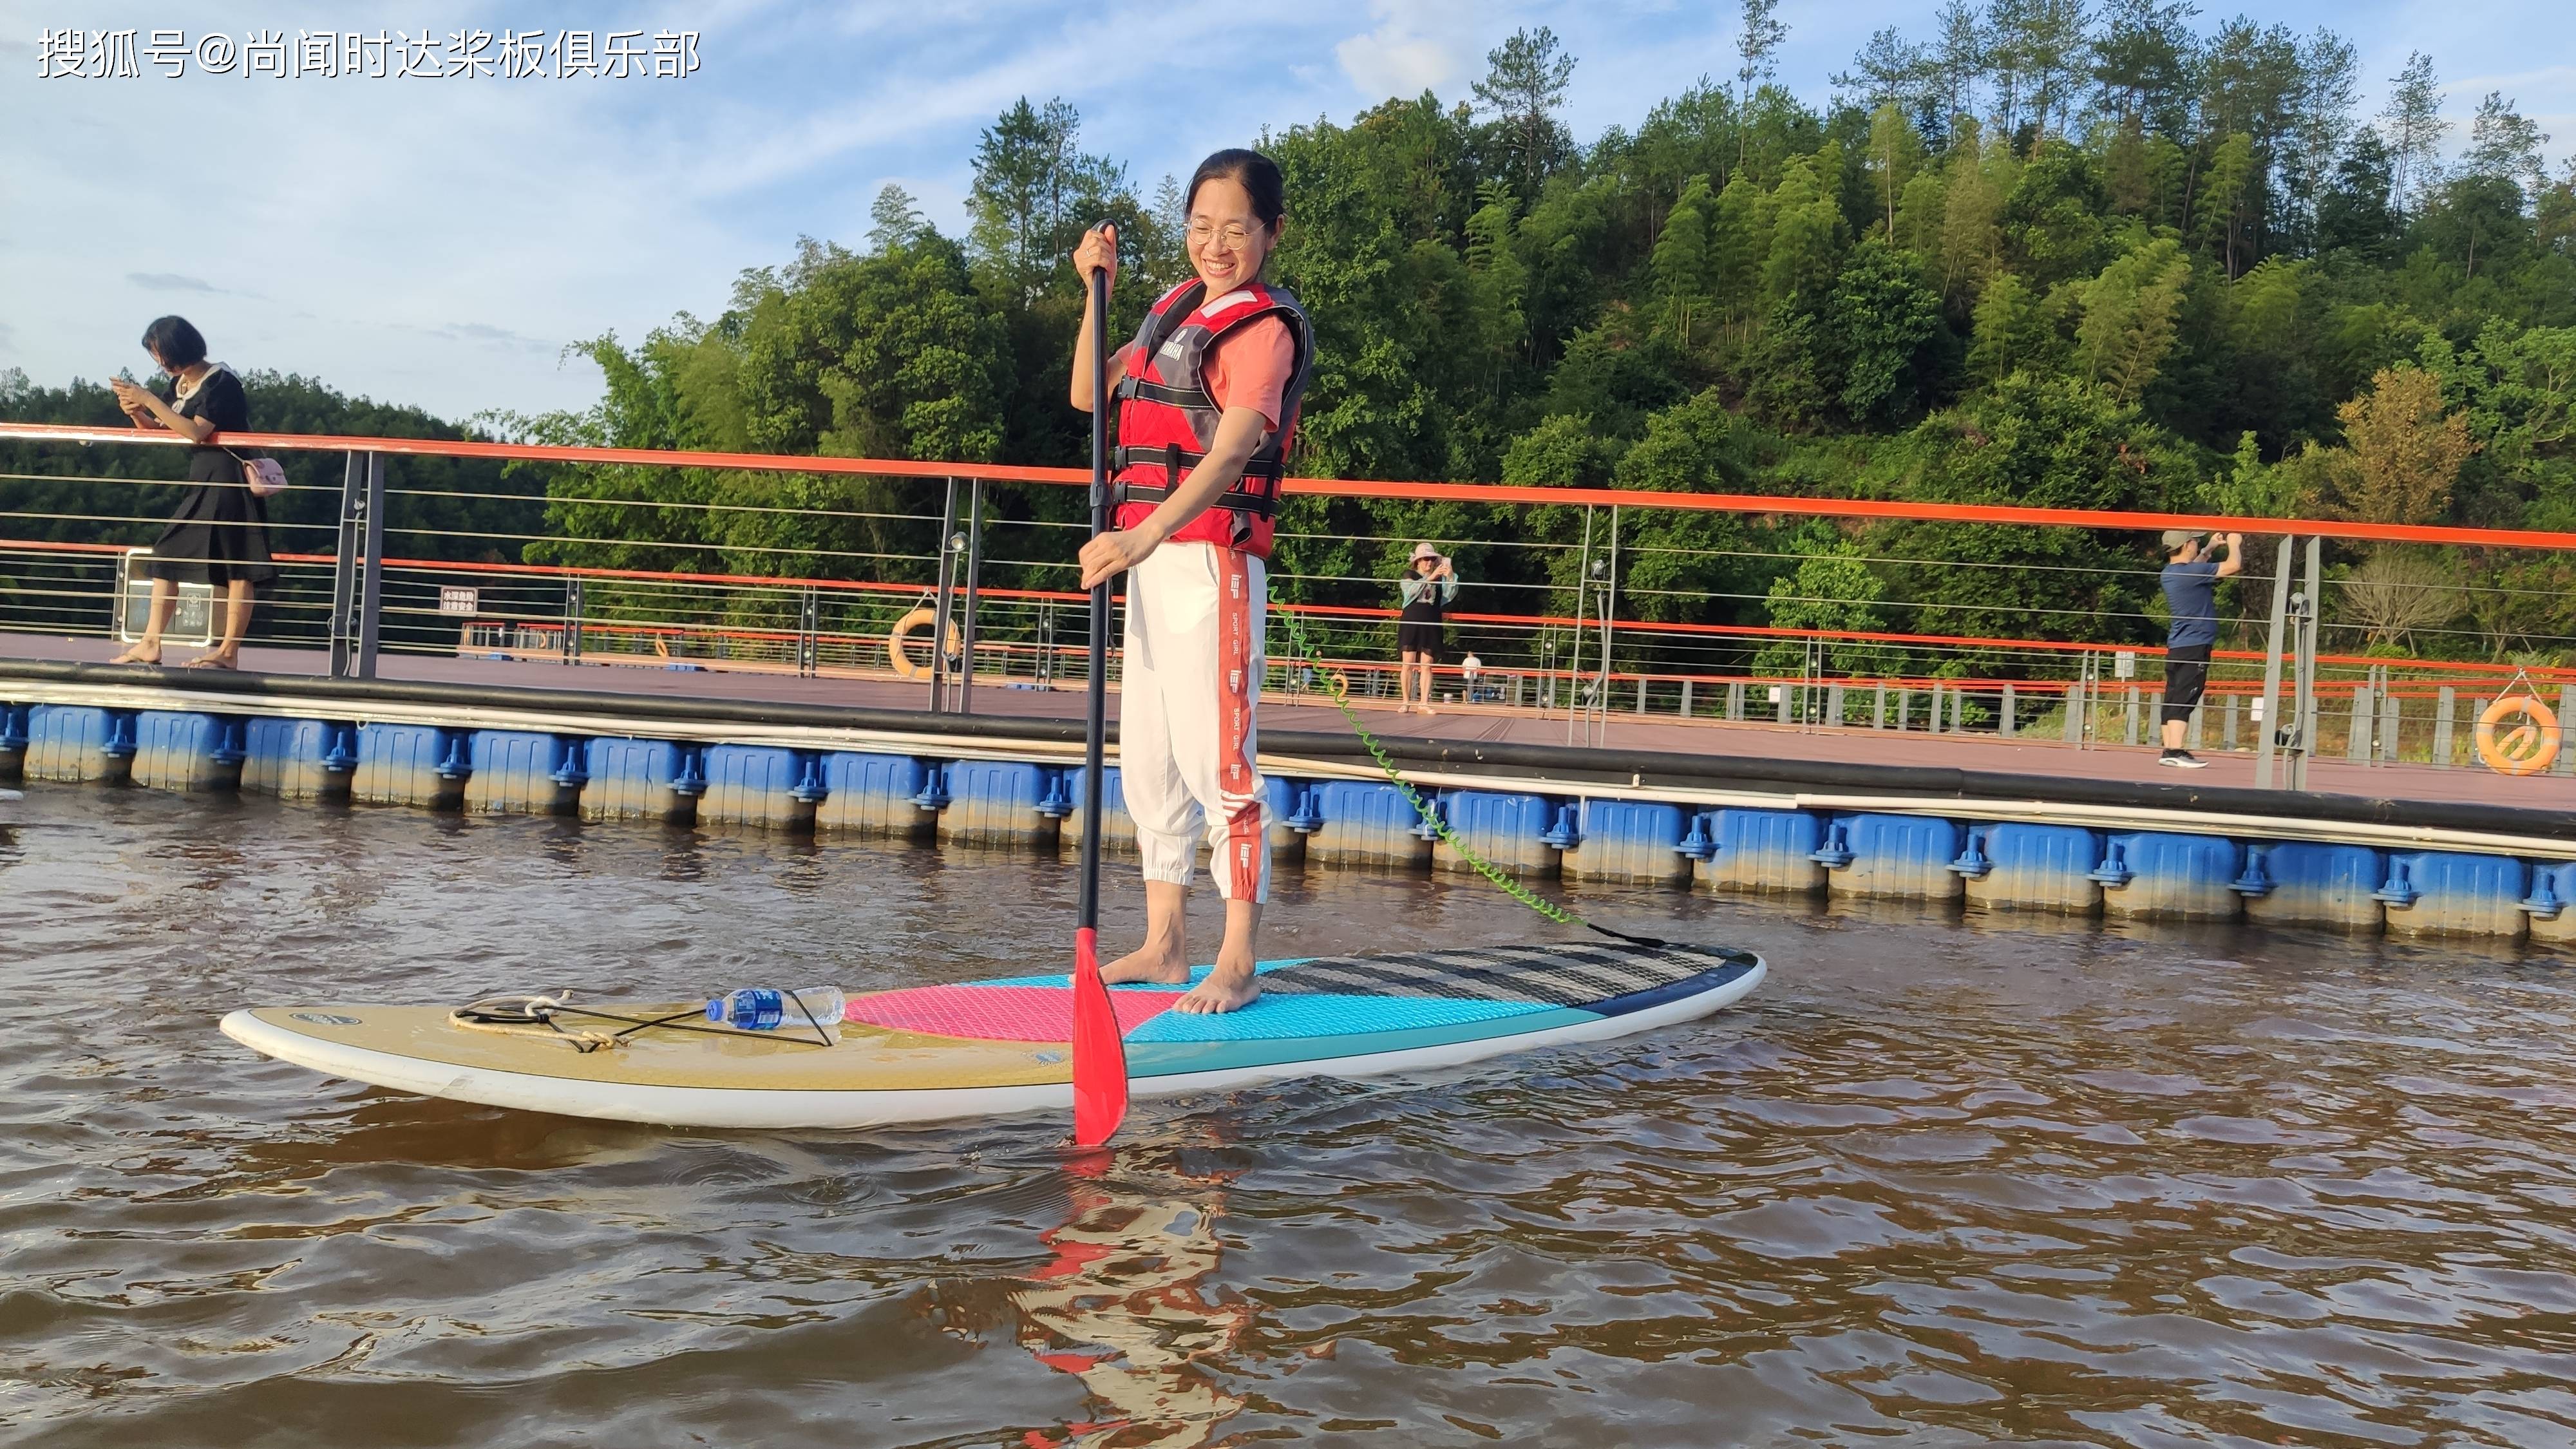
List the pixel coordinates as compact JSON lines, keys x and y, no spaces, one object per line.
{"x":929,"y":1053}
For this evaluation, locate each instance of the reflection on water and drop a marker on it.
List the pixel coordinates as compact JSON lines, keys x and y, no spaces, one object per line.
{"x":1125,"y":1304}
{"x":1941,"y":1181}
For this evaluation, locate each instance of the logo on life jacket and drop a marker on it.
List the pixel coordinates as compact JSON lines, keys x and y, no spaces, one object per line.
{"x":1167,"y":419}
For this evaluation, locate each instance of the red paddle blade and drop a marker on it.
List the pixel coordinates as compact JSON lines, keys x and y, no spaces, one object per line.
{"x":1099,"y":1050}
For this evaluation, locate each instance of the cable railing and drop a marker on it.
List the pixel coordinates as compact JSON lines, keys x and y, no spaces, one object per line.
{"x":1577,"y":634}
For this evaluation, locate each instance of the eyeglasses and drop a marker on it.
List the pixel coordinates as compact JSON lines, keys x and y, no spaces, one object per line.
{"x":1232,"y":235}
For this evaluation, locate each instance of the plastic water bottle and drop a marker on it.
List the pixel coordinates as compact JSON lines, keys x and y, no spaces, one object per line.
{"x":766,"y":1008}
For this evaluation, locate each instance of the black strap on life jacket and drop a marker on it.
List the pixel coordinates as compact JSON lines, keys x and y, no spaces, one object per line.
{"x":1255,"y":492}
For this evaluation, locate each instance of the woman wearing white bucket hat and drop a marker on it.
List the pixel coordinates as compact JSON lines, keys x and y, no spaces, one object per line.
{"x":1430,"y":582}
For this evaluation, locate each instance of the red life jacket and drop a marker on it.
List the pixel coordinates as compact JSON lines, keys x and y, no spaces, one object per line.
{"x":1167,"y":421}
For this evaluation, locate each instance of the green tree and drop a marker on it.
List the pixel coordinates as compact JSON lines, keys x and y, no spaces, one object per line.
{"x":1973,"y":205}
{"x":2413,"y":125}
{"x":2354,"y":213}
{"x":2142,"y":66}
{"x":1889,"y":72}
{"x":1833,"y":591}
{"x":1895,"y":151}
{"x":2128,"y":324}
{"x":1683,"y":268}
{"x":2038,"y":441}
{"x":1806,"y":235}
{"x":2011,"y":331}
{"x":1740,"y":244}
{"x":1882,"y":319}
{"x":1523,"y":88}
{"x":2053,"y":218}
{"x":1034,"y":194}
{"x":2227,"y":201}
{"x":1759,"y":35}
{"x":896,"y":219}
{"x":2401,"y":453}
{"x":2505,"y":145}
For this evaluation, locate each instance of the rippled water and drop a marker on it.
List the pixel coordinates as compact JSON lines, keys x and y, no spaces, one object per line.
{"x":1939,"y":1182}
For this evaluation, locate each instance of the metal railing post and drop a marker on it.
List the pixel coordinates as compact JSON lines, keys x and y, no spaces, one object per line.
{"x":2566,"y":710}
{"x":939,"y":614}
{"x":2392,"y":716}
{"x":2267,"y":723}
{"x":2304,"y":746}
{"x":974,"y":568}
{"x":1582,"y":600}
{"x":1609,"y":613}
{"x":809,"y":634}
{"x":371,"y":580}
{"x":344,"y":573}
{"x":574,"y":607}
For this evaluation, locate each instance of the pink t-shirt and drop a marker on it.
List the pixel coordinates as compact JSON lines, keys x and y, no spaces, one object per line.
{"x":1248,"y":368}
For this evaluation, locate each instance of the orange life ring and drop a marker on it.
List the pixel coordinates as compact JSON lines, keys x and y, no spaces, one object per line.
{"x":2527,"y":748}
{"x":901,"y":636}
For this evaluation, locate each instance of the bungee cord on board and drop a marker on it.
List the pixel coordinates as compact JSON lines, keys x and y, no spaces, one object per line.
{"x":1338,"y":689}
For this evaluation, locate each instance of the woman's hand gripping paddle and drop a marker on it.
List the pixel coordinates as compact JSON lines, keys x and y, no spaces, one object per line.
{"x":1099,"y":1052}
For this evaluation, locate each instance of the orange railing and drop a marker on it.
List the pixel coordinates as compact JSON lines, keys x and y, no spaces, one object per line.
{"x":1745,"y":503}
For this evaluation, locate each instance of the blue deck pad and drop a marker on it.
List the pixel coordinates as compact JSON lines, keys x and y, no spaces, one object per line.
{"x":1281,"y":1018}
{"x":1162,"y":1058}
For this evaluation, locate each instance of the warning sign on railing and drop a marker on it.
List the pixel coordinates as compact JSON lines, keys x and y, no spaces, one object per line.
{"x":460,"y":601}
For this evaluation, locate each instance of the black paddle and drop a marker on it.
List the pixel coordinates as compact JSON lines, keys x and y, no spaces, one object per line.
{"x":1099,"y":1053}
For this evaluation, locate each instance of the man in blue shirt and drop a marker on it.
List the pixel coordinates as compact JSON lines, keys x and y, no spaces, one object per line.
{"x":2191,"y":597}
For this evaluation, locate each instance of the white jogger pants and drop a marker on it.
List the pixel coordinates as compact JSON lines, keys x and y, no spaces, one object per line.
{"x":1186,"y":739}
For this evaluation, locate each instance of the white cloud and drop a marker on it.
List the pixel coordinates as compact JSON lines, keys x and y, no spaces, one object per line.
{"x":1418,"y":45}
{"x":170,"y":282}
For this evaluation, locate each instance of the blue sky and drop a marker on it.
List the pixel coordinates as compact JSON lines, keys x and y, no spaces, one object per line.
{"x":439,"y":241}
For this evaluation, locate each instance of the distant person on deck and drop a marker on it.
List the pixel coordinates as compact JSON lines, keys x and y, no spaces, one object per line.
{"x":2191,"y":598}
{"x":1429,"y":585}
{"x":219,"y":536}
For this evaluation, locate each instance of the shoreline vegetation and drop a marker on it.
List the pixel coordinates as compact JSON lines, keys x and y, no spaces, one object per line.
{"x":2119,"y":259}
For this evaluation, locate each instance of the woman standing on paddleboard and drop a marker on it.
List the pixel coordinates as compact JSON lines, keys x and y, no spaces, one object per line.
{"x":1207,"y":406}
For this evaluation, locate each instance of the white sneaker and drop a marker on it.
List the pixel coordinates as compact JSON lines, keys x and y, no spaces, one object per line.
{"x":2181,"y":760}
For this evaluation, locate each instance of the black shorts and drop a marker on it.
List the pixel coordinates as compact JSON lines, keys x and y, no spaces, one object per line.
{"x":1417,"y":637}
{"x":2186,"y":675}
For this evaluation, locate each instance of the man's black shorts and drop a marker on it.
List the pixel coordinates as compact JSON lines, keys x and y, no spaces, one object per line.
{"x":2186,"y":674}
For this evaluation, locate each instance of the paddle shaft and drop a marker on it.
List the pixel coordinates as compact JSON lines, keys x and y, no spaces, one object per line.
{"x":1096,"y":707}
{"x":1099,"y":1052}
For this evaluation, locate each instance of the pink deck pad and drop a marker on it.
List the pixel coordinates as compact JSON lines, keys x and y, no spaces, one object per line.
{"x":999,"y":1013}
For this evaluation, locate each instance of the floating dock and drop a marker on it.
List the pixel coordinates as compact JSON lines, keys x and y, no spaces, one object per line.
{"x":2011,"y":827}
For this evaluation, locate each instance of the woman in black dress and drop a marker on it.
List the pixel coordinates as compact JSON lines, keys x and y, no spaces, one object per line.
{"x":220,"y":535}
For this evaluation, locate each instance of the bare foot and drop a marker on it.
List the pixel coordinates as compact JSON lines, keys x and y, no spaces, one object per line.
{"x":1154,"y":961}
{"x":139,"y":654}
{"x":213,"y":661}
{"x":1227,"y":988}
{"x":1426,"y":709}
